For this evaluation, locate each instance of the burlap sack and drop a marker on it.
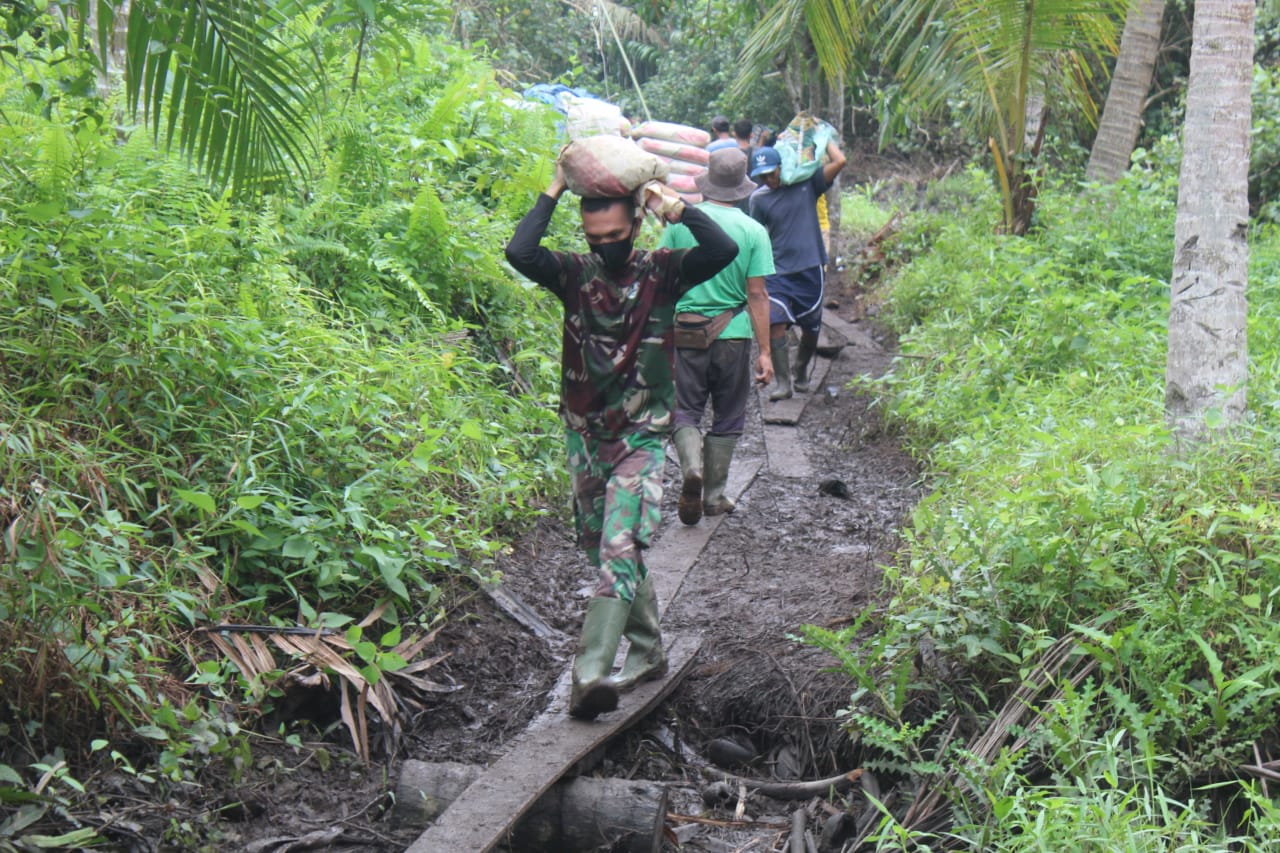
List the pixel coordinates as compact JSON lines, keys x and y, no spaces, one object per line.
{"x":608,"y":167}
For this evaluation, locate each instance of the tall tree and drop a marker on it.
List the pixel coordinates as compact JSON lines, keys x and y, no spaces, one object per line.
{"x":1127,"y":96}
{"x":998,"y":57}
{"x":1208,"y":354}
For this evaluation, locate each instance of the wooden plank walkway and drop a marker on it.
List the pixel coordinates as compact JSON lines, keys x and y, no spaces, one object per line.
{"x":484,"y":813}
{"x":553,"y":744}
{"x":788,"y":412}
{"x":678,"y":548}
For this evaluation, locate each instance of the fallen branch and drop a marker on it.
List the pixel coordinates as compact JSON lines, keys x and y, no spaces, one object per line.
{"x":789,"y":790}
{"x":674,"y":817}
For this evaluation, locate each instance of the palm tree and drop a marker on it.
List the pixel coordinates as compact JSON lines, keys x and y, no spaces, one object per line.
{"x":224,"y":79}
{"x":1207,"y":362}
{"x":799,"y":34}
{"x":995,"y":61}
{"x":1122,"y":113}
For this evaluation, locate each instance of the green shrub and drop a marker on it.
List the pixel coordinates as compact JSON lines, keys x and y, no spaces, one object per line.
{"x":290,"y":413}
{"x":1031,"y":380}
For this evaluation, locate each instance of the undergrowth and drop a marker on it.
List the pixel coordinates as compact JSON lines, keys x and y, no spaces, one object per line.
{"x":299,"y":411}
{"x":1030,"y":382}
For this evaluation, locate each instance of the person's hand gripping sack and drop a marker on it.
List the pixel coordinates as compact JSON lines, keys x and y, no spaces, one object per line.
{"x":660,"y":200}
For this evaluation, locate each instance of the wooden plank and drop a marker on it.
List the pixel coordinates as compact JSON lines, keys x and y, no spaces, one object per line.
{"x":857,"y":334}
{"x":515,"y":607}
{"x":787,"y":456}
{"x":789,"y":411}
{"x":679,"y":545}
{"x":485,"y":812}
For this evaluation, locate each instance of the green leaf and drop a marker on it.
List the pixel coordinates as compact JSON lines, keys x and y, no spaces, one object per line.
{"x":9,"y":775}
{"x":472,"y":429}
{"x":152,"y":732}
{"x":250,"y":501}
{"x":390,"y":662}
{"x":200,"y":500}
{"x":75,"y":838}
{"x":299,"y":546}
{"x":239,"y":98}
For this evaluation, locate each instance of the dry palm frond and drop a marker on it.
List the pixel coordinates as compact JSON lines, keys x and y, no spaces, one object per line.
{"x":326,"y":659}
{"x":1062,"y":662}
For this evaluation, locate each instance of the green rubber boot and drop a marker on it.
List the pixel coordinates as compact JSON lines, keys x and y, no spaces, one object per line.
{"x":781,"y":370}
{"x":804,"y":354}
{"x":646,"y":658}
{"x":593,"y":690}
{"x":717,"y":451}
{"x":688,"y":442}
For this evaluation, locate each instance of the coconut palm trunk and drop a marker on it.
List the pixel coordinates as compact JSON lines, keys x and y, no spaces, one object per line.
{"x":1208,"y":354}
{"x":1127,"y":96}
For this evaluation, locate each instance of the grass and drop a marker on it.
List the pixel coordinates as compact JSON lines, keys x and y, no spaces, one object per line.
{"x":1031,"y":383}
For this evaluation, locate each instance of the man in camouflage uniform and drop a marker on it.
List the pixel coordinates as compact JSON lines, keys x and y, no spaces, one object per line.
{"x":616,"y":400}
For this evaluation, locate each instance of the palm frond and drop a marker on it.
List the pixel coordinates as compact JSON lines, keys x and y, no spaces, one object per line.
{"x":217,"y":77}
{"x":832,"y":26}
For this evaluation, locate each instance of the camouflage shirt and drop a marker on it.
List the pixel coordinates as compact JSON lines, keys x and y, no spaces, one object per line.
{"x":618,"y":342}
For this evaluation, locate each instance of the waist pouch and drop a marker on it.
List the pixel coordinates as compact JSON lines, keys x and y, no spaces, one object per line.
{"x":697,"y":331}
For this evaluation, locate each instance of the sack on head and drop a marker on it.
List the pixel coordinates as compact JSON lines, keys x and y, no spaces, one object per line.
{"x":802,"y":147}
{"x":608,"y":167}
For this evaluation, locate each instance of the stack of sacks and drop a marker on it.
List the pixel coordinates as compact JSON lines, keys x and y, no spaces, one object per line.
{"x":586,"y":117}
{"x":683,"y":148}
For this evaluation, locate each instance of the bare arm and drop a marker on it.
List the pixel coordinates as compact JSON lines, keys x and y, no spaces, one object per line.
{"x":758,"y":310}
{"x":835,"y":162}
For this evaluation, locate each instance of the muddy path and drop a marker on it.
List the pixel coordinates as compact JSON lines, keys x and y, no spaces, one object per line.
{"x":789,"y":556}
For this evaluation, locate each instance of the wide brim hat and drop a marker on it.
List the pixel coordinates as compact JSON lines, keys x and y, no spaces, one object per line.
{"x":726,"y":177}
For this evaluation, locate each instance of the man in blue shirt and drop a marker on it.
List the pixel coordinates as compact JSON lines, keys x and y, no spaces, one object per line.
{"x":789,"y":213}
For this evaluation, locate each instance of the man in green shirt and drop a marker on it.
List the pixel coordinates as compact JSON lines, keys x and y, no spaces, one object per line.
{"x":713,"y":339}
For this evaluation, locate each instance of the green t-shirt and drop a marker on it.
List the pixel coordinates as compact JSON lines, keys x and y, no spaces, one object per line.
{"x":728,"y":289}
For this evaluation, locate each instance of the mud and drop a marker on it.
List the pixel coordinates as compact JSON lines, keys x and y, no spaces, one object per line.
{"x":789,"y":556}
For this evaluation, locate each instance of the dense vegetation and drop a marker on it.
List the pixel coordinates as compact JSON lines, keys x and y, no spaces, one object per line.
{"x":286,"y":411}
{"x":1030,"y":382}
{"x":319,"y":405}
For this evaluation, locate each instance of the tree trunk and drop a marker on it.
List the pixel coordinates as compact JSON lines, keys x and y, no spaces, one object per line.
{"x":581,"y":814}
{"x":1127,"y":96}
{"x":1208,"y":355}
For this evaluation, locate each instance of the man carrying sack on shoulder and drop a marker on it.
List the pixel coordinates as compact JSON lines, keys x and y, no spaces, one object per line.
{"x":715,"y":323}
{"x":617,"y":401}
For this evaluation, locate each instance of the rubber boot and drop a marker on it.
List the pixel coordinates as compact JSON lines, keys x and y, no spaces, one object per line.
{"x":688,"y":442}
{"x":804,"y":354}
{"x":781,"y":370}
{"x":593,"y":690}
{"x":646,"y":658}
{"x":717,"y":452}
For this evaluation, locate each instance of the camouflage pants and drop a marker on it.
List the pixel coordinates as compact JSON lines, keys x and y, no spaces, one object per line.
{"x":617,"y":493}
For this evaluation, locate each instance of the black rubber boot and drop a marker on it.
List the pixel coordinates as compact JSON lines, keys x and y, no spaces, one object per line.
{"x":688,"y":442}
{"x":646,"y":658}
{"x":717,"y":452}
{"x":594,"y":692}
{"x":804,"y":354}
{"x":781,"y":370}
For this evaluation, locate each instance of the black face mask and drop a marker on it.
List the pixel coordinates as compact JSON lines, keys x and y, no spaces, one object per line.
{"x":615,"y":255}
